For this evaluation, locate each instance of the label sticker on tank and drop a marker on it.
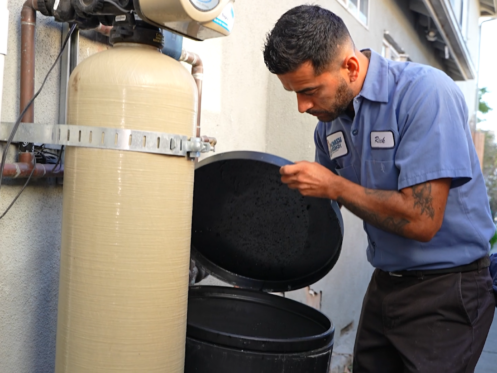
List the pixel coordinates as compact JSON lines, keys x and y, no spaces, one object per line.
{"x":227,"y":18}
{"x":205,"y":5}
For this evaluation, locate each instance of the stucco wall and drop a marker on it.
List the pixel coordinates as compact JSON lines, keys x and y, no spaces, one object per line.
{"x":244,"y":106}
{"x":30,"y":243}
{"x":31,"y":231}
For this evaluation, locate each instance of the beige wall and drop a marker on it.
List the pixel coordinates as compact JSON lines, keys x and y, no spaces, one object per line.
{"x":245,"y":107}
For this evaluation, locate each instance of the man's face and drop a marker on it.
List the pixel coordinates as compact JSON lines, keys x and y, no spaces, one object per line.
{"x":325,"y":96}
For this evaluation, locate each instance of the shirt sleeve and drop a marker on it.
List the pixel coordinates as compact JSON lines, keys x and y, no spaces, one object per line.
{"x":433,"y":132}
{"x":322,"y":155}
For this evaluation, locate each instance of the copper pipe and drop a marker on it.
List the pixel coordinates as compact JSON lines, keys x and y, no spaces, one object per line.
{"x":28,"y":26}
{"x":198,"y":75}
{"x":23,"y":168}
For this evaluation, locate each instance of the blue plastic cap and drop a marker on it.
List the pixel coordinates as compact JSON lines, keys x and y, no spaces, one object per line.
{"x":173,"y":44}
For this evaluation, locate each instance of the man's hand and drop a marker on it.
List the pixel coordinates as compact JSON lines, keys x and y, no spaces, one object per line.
{"x":311,"y":179}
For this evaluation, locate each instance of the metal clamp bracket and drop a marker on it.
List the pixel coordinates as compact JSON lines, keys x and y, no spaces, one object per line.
{"x":109,"y":138}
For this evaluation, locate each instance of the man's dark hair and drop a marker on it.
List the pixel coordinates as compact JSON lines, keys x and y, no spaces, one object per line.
{"x":304,"y":33}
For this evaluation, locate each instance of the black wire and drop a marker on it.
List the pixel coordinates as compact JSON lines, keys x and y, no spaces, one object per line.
{"x":18,"y":121}
{"x":46,"y":157}
{"x":42,"y":156}
{"x":117,"y":6}
{"x":58,"y":160}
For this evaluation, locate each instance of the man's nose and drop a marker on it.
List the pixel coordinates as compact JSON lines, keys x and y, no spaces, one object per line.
{"x":304,"y":103}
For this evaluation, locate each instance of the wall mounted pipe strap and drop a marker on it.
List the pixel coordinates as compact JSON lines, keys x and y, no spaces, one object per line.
{"x":107,"y":138}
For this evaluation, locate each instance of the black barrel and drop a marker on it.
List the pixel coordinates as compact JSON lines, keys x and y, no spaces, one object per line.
{"x":252,"y":231}
{"x":232,"y":330}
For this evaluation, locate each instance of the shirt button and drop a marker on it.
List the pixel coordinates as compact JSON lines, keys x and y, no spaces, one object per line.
{"x":355,"y":132}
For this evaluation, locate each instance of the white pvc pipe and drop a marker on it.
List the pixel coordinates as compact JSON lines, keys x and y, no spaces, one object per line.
{"x":4,"y":29}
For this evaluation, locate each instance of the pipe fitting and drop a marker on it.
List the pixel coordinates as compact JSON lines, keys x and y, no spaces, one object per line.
{"x":24,"y":167}
{"x":198,"y":75}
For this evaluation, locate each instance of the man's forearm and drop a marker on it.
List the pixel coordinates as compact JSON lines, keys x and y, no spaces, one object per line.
{"x":386,"y":221}
{"x":409,"y":213}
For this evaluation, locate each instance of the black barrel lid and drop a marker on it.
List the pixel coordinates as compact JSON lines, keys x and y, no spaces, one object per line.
{"x":252,"y":231}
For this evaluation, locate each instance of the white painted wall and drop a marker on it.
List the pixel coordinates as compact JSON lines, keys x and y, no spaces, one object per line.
{"x":245,"y":107}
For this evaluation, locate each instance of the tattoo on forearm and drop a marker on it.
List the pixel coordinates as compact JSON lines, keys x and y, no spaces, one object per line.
{"x":423,"y":199}
{"x":389,"y":223}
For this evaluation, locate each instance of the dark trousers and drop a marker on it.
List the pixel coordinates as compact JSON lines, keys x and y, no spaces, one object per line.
{"x":430,"y":324}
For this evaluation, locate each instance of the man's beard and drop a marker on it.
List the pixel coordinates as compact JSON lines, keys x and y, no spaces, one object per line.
{"x":343,"y":98}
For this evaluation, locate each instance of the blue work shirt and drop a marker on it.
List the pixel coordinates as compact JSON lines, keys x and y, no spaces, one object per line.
{"x":410,"y":127}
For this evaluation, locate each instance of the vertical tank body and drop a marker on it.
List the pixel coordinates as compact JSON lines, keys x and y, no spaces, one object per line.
{"x":126,"y":219}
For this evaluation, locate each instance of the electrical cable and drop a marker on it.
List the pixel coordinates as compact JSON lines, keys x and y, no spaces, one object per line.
{"x":117,"y":6}
{"x":18,"y":121}
{"x":58,"y":160}
{"x":44,"y":155}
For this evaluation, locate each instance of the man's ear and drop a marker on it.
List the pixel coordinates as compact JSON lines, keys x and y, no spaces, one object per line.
{"x":351,"y":64}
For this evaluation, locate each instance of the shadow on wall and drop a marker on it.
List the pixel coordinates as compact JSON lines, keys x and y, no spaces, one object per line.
{"x":44,"y":265}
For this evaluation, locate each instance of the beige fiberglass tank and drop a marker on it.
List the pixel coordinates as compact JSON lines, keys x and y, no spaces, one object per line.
{"x":126,"y":219}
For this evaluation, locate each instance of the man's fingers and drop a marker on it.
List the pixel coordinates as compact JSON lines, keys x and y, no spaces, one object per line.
{"x":286,"y":170}
{"x":291,"y":169}
{"x":286,"y":179}
{"x":291,"y":179}
{"x":293,"y":186}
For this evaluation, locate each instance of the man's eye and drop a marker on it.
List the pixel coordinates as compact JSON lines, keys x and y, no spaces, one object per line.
{"x":310,"y":93}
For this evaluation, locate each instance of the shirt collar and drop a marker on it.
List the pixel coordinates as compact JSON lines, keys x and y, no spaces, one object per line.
{"x":375,"y":87}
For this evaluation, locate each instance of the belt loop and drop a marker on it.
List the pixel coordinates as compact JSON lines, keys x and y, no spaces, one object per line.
{"x":479,"y":264}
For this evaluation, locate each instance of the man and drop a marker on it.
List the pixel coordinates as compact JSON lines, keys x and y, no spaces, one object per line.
{"x":393,"y":146}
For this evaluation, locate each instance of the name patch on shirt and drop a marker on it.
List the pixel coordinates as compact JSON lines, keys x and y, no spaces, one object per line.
{"x":382,"y":139}
{"x":337,"y":145}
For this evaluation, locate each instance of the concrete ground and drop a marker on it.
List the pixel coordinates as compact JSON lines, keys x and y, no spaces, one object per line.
{"x":341,"y":359}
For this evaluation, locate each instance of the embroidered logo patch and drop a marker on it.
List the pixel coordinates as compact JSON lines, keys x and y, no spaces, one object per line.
{"x":382,"y":139}
{"x":337,"y":145}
